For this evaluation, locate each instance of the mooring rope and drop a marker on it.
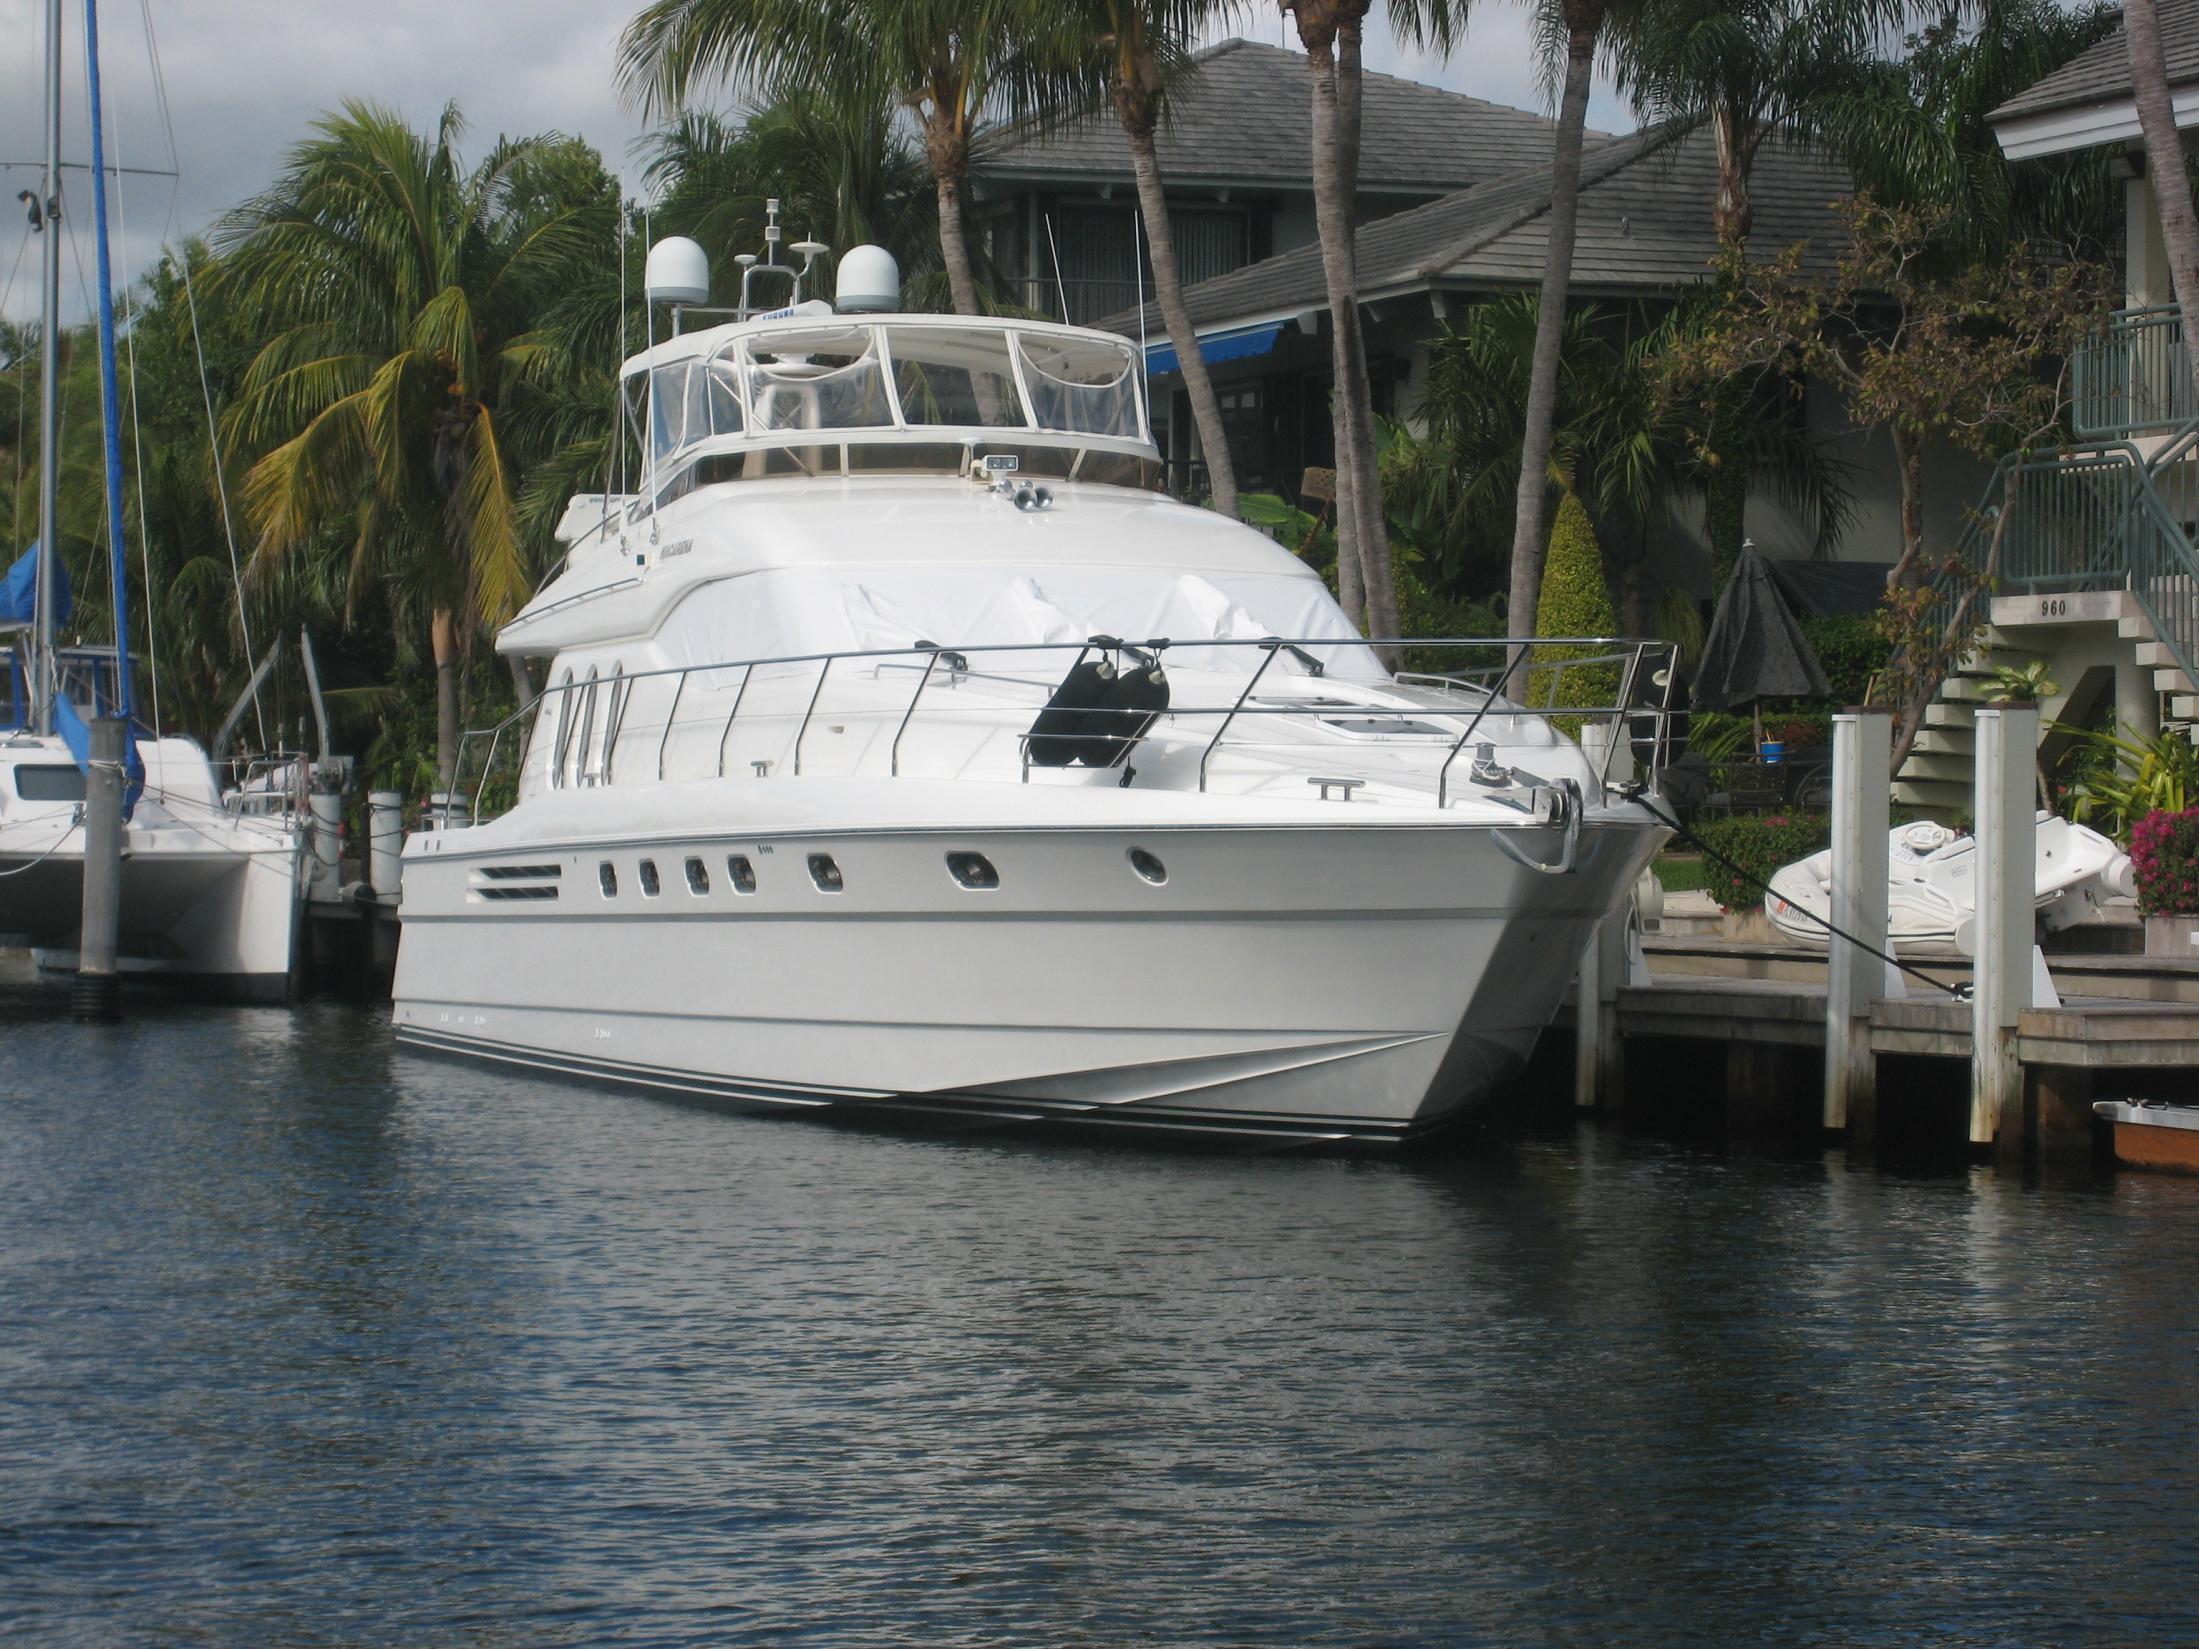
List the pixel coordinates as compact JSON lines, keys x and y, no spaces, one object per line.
{"x":1961,"y":993}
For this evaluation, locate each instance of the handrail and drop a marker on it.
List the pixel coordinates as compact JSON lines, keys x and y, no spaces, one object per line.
{"x":2134,"y":375}
{"x":802,"y":731}
{"x":1273,"y":647}
{"x":1601,"y":650}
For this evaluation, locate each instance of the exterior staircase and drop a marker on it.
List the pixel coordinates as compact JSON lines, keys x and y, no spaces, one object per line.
{"x":2076,"y":637}
{"x":2095,"y":575}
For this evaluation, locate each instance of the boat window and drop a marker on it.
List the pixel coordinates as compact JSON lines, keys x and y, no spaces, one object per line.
{"x":587,"y":696}
{"x":61,"y":782}
{"x":614,"y":712}
{"x":948,"y":377}
{"x":698,"y":877}
{"x":906,"y":458}
{"x":607,"y":879}
{"x":740,"y":873}
{"x":560,"y":705}
{"x":973,"y":870}
{"x":829,"y":378}
{"x":1147,"y":866}
{"x":826,"y":874}
{"x":1083,"y":385}
{"x":650,"y":886}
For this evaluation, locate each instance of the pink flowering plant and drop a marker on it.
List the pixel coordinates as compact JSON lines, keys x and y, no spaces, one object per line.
{"x":2164,"y":853}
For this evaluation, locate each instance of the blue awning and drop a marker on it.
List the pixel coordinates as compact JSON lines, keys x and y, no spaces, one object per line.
{"x":1222,"y":346}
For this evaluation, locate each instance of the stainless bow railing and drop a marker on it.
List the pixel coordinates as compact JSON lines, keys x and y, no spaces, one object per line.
{"x":1572,"y":682}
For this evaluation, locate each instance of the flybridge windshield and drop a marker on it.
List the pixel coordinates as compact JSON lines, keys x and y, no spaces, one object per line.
{"x":843,"y":376}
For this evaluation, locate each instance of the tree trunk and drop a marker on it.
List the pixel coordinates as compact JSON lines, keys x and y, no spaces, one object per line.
{"x":1332,"y":222}
{"x":1160,"y":244}
{"x":443,"y":636}
{"x":522,"y":680}
{"x":1374,"y":534}
{"x":1531,"y":524}
{"x":2165,"y":163}
{"x":949,"y":154}
{"x":1731,"y":215}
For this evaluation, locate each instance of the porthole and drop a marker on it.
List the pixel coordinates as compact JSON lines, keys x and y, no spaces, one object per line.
{"x":607,"y":879}
{"x":740,"y":873}
{"x":972,"y":870}
{"x":698,"y":877}
{"x":1147,"y":866}
{"x":650,"y":887}
{"x":825,"y":873}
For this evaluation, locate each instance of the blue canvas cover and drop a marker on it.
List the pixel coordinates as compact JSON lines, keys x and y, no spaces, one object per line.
{"x":19,"y":591}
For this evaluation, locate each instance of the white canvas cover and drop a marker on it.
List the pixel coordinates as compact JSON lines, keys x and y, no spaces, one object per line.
{"x":800,"y":611}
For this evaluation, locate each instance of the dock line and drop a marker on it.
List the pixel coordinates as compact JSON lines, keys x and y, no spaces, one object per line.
{"x":1961,"y":993}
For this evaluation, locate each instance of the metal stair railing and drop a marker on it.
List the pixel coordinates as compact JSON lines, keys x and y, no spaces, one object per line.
{"x":2094,"y":518}
{"x":2135,"y":377}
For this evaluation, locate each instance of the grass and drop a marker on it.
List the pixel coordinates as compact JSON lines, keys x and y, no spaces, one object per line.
{"x":1680,"y":872}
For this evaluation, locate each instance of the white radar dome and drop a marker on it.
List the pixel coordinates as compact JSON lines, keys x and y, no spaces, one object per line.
{"x":870,"y":281}
{"x":678,"y":271}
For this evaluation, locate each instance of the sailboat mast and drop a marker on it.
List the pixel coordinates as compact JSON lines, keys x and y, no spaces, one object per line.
{"x":110,"y":398}
{"x":49,"y":385}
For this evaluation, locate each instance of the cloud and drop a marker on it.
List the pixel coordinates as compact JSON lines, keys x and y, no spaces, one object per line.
{"x":245,"y":78}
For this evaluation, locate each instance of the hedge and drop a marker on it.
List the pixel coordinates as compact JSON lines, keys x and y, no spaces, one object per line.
{"x":1759,"y":844}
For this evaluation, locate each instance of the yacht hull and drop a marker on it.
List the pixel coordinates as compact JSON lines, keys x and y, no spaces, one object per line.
{"x":1362,"y":982}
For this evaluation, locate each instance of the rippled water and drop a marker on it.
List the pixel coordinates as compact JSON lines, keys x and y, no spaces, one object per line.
{"x":306,"y":1341}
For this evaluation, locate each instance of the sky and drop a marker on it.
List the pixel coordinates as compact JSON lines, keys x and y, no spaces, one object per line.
{"x":244,"y":77}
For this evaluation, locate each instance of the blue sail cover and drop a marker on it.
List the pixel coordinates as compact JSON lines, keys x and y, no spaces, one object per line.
{"x":19,"y":591}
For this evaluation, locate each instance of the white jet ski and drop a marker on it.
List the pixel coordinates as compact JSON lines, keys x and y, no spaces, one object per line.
{"x":1933,"y":873}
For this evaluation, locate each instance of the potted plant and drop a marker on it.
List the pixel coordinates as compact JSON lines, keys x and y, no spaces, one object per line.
{"x":2164,"y":856}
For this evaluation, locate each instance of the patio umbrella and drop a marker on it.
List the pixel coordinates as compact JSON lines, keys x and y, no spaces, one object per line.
{"x":1755,"y":650}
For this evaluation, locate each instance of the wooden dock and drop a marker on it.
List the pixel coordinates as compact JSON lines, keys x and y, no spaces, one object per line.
{"x":2123,"y":1022}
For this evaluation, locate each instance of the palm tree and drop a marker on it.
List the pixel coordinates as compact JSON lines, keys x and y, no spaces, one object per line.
{"x":1933,"y":151}
{"x":952,"y":64}
{"x":401,"y":289}
{"x":845,"y":175}
{"x":1581,"y":24}
{"x":1333,"y":33}
{"x":1753,"y":71}
{"x":1140,"y":46}
{"x":2165,"y":163}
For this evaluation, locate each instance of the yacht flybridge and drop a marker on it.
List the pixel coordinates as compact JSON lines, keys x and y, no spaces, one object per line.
{"x":905,"y":747}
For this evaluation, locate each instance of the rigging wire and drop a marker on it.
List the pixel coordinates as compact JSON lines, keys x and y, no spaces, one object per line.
{"x":137,"y":438}
{"x":198,"y":347}
{"x":22,"y":403}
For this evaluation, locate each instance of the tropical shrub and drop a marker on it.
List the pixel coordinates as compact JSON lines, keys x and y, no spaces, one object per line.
{"x":2118,"y":778}
{"x":1757,"y":844}
{"x":1575,"y":602}
{"x":2164,"y":853}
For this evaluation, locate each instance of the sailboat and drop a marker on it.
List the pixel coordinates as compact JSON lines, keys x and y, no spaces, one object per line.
{"x":210,"y":897}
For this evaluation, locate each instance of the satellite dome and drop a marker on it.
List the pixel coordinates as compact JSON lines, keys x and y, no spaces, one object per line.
{"x":678,"y":271}
{"x":870,"y":281}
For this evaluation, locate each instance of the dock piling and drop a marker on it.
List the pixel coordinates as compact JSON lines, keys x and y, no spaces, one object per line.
{"x":1862,"y":781}
{"x":96,"y":992}
{"x":2007,"y":742}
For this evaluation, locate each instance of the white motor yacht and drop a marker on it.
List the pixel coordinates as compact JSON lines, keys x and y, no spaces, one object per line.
{"x":210,"y":899}
{"x":906,"y":747}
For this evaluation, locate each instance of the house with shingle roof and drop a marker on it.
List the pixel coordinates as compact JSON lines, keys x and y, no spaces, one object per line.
{"x":1056,"y":203}
{"x":1645,"y":236}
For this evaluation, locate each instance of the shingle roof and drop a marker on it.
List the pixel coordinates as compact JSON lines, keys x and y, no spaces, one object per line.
{"x":2102,"y":74}
{"x":1245,"y":117}
{"x":1645,"y":225}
